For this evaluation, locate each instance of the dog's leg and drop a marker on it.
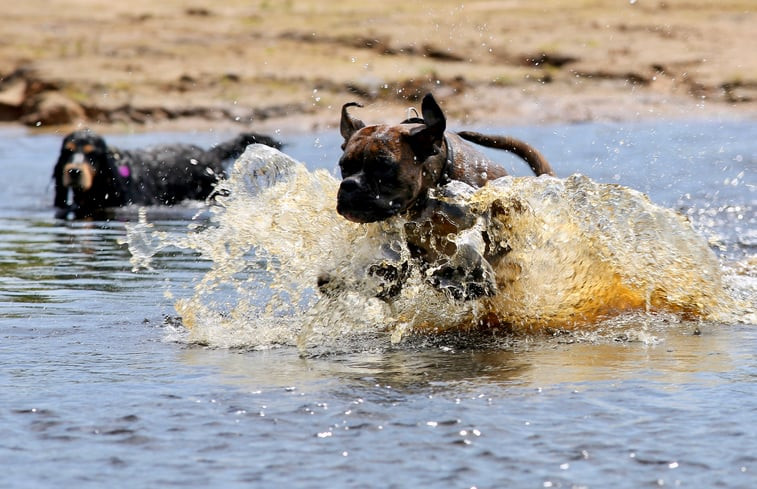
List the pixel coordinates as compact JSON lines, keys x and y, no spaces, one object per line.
{"x":467,"y":274}
{"x":382,"y":279}
{"x":390,"y":277}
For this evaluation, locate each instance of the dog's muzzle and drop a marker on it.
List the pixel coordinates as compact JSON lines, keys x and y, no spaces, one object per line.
{"x":355,"y":202}
{"x":78,"y":175}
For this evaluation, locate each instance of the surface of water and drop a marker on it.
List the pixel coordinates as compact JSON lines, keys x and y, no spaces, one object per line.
{"x":100,"y":387}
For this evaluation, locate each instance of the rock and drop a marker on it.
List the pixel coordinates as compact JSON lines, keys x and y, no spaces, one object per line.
{"x":51,"y":108}
{"x":12,"y":95}
{"x":13,"y":92}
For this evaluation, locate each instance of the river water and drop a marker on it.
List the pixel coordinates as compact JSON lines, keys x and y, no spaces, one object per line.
{"x":101,"y":384}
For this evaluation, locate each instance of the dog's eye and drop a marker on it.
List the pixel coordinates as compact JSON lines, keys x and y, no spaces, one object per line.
{"x":349,"y":167}
{"x":70,"y":146}
{"x":88,"y":148}
{"x":383,"y":165}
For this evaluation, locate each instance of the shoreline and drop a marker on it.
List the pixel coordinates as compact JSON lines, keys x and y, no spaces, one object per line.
{"x":328,"y":120}
{"x":268,"y":66}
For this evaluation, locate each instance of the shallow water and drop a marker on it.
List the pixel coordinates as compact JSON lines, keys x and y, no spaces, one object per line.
{"x":100,"y":387}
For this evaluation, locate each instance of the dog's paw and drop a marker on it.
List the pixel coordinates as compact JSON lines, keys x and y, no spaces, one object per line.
{"x":466,"y":276}
{"x":329,"y":285}
{"x":382,"y":280}
{"x":389,"y":278}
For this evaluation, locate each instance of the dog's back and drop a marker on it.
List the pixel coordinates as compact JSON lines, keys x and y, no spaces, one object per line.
{"x":233,"y":148}
{"x":91,"y":176}
{"x":171,"y":173}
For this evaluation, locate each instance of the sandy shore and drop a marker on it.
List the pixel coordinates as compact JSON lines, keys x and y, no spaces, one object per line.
{"x":270,"y":64}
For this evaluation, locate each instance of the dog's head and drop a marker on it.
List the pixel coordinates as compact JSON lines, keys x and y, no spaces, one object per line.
{"x":386,"y":169}
{"x":83,"y":157}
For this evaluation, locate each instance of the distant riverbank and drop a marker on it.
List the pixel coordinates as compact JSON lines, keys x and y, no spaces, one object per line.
{"x":145,"y":66}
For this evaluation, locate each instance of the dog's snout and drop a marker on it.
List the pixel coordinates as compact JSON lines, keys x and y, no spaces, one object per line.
{"x":74,"y":176}
{"x":78,"y":176}
{"x":350,"y":184}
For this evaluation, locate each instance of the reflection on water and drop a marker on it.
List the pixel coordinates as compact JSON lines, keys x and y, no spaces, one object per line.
{"x":678,"y":355}
{"x":51,"y":267}
{"x":45,"y":261}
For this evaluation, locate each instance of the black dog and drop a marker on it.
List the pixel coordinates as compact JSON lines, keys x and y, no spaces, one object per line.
{"x":389,"y":170}
{"x":90,"y":176}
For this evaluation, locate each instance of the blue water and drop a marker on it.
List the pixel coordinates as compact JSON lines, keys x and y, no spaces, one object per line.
{"x":98,"y":390}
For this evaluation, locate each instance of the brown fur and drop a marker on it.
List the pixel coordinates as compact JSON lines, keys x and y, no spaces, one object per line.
{"x":388,"y":170}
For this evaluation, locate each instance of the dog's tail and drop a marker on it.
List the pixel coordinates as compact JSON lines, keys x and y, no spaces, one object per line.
{"x":531,"y":155}
{"x":234,"y":148}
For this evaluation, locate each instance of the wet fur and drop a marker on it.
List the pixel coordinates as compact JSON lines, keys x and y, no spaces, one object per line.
{"x":390,"y":170}
{"x":103,"y":177}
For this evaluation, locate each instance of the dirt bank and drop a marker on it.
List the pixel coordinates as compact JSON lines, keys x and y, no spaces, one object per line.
{"x":144,"y":65}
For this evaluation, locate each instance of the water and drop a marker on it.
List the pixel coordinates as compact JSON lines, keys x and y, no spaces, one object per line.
{"x":101,"y":386}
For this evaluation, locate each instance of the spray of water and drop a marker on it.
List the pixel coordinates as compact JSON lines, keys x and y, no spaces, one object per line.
{"x":573,"y":254}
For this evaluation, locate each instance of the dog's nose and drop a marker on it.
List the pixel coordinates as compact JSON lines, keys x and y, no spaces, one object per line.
{"x":74,"y":172}
{"x":350,"y":184}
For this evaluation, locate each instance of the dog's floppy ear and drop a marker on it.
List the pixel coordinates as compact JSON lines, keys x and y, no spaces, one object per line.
{"x":349,"y":125}
{"x":61,"y":192}
{"x":427,"y":139}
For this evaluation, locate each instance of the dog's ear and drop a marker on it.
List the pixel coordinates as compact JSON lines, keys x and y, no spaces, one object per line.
{"x":433,"y":115}
{"x":426,"y":140}
{"x":349,"y":125}
{"x":61,"y":195}
{"x":61,"y":192}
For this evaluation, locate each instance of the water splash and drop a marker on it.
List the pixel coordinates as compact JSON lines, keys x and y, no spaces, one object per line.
{"x":578,"y":252}
{"x":583,"y":250}
{"x":271,"y":224}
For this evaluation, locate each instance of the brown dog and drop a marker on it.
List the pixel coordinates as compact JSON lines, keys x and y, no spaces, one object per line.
{"x":389,"y":170}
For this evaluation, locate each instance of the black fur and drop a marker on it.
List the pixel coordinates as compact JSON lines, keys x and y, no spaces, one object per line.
{"x":98,"y":177}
